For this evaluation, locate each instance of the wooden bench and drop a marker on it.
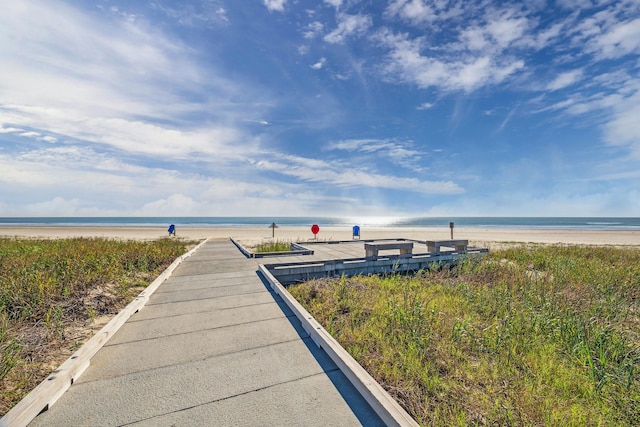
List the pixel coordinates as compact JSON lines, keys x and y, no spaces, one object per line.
{"x":371,"y":249}
{"x":435,"y":245}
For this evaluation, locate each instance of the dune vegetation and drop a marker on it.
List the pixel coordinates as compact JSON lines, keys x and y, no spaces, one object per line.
{"x":52,"y":291}
{"x":275,"y":246}
{"x":532,"y":335}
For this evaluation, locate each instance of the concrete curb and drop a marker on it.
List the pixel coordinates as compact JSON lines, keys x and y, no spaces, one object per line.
{"x":49,"y":391}
{"x":391,"y":413}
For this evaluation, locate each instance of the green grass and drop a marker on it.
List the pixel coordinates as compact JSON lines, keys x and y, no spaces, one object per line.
{"x":48,"y":285}
{"x":545,"y":335}
{"x":277,"y":246}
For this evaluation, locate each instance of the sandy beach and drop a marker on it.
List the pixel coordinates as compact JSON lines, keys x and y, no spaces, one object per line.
{"x":482,"y":237}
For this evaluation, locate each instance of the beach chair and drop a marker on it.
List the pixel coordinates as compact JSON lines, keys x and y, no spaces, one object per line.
{"x":172,"y":230}
{"x":356,"y":232}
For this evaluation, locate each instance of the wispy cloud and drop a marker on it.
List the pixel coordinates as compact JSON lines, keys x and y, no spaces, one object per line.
{"x":277,"y":5}
{"x":621,"y":39}
{"x":565,"y":79}
{"x":336,"y":174}
{"x":499,"y":30}
{"x":9,"y":129}
{"x":425,"y":106}
{"x":624,"y":127}
{"x":506,"y":120}
{"x":403,"y":154}
{"x":419,"y":12}
{"x":198,"y":13}
{"x":406,"y":63}
{"x":155,"y":108}
{"x":108,"y":83}
{"x":127,"y":135}
{"x":334,"y":3}
{"x":77,"y":181}
{"x":313,"y":29}
{"x":349,"y":26}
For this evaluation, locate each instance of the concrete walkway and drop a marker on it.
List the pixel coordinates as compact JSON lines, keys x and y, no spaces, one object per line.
{"x":213,"y":346}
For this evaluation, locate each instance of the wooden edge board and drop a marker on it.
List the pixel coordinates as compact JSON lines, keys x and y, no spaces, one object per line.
{"x":387,"y":408}
{"x":42,"y":397}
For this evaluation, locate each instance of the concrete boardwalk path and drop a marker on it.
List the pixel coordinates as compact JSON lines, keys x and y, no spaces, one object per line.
{"x":212,"y":347}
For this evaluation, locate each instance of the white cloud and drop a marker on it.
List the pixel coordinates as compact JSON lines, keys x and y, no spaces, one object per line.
{"x":222,"y":13}
{"x":464,"y":72}
{"x":505,"y":28}
{"x":400,"y":153}
{"x":333,"y":174}
{"x":544,"y":37}
{"x":620,"y":40}
{"x":30,"y":134}
{"x":9,"y":129}
{"x":474,"y":39}
{"x":61,"y":168}
{"x":580,"y":4}
{"x":131,"y":136}
{"x":608,"y":39}
{"x":420,"y":12}
{"x":193,"y":13}
{"x":318,"y":65}
{"x":624,"y":127}
{"x":416,"y":11}
{"x":124,"y":117}
{"x":114,"y":83}
{"x":506,"y":120}
{"x":334,"y":3}
{"x":366,"y":145}
{"x":498,"y":31}
{"x":312,"y":30}
{"x":348,"y":25}
{"x":565,"y":79}
{"x":81,"y":181}
{"x":277,"y":5}
{"x":101,"y":66}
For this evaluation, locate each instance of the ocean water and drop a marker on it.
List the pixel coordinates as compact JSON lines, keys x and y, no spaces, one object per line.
{"x":579,"y":223}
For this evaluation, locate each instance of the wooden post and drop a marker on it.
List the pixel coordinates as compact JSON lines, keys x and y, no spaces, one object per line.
{"x":451,"y":227}
{"x":273,"y":229}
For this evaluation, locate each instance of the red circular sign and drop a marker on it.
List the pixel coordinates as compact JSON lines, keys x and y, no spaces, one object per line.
{"x":315,"y":228}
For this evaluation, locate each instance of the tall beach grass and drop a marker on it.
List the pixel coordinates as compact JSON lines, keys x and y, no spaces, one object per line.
{"x":49,"y":288}
{"x":542,"y":335}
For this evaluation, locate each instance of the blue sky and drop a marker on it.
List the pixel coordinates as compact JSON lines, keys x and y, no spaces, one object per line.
{"x":334,"y":107}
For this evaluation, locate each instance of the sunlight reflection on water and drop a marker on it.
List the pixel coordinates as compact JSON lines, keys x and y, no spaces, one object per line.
{"x":375,"y":221}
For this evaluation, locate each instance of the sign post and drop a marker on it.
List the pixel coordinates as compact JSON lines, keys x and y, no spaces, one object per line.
{"x":315,"y":229}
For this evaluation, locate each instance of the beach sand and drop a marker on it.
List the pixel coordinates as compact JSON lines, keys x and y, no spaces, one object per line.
{"x":479,"y":237}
